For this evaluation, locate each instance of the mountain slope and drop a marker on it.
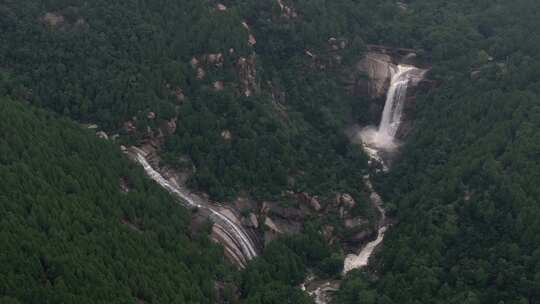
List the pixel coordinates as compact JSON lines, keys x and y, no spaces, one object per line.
{"x":465,"y":191}
{"x":70,"y":234}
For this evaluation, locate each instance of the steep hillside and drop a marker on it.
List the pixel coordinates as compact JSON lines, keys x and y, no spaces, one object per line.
{"x":79,"y":223}
{"x":465,"y":191}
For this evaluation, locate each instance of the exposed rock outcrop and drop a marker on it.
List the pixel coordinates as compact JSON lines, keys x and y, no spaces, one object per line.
{"x":247,"y":72}
{"x":219,"y":86}
{"x":53,"y":20}
{"x":378,"y":68}
{"x":102,"y":135}
{"x":220,"y":7}
{"x":226,"y":135}
{"x":287,"y":11}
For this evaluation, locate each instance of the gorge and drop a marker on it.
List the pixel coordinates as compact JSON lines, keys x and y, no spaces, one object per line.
{"x":380,"y":140}
{"x":377,"y":142}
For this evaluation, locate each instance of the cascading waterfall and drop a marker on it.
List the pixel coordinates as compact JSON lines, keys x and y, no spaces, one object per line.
{"x":228,"y":226}
{"x":384,"y":137}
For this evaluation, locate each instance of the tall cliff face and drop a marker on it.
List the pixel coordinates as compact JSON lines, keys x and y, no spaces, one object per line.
{"x":377,"y":69}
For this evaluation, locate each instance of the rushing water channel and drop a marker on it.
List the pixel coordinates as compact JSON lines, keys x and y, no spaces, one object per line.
{"x":376,"y":140}
{"x":380,"y":139}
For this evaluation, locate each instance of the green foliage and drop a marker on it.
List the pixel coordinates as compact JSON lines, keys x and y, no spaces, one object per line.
{"x":69,"y":234}
{"x":106,"y":62}
{"x":465,"y":190}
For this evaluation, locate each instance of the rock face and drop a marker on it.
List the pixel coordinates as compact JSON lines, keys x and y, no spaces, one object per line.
{"x":247,"y":72}
{"x":375,"y":73}
{"x":102,"y":135}
{"x":53,"y":20}
{"x":378,"y":68}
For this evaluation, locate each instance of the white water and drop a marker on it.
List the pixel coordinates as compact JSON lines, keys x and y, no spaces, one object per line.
{"x":354,"y":261}
{"x":234,"y":230}
{"x":383,"y":137}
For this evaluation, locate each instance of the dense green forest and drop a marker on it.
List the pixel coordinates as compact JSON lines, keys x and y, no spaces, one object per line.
{"x":69,"y":233}
{"x":464,"y":191}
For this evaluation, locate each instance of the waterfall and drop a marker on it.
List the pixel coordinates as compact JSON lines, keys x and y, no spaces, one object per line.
{"x":383,"y":138}
{"x":235,"y":231}
{"x":395,"y":99}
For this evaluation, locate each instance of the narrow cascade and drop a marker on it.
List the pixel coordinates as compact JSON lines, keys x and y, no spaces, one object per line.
{"x":245,"y":247}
